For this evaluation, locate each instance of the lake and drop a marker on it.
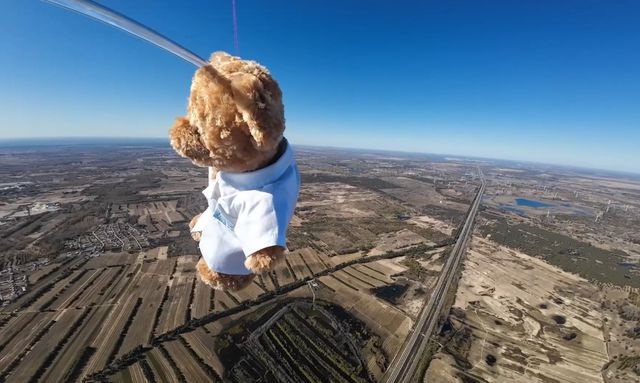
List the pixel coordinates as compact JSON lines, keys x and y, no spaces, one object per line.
{"x":531,"y":203}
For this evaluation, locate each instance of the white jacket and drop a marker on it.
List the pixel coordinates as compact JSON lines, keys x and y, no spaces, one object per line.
{"x":247,"y":212}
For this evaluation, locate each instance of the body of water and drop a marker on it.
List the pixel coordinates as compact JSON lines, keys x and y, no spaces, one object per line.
{"x":531,"y":203}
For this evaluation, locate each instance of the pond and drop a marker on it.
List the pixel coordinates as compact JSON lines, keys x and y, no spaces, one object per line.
{"x":531,"y":203}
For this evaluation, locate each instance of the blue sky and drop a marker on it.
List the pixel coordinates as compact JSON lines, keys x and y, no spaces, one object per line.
{"x":547,"y":81}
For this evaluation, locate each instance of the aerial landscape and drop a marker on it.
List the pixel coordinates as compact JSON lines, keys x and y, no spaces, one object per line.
{"x":255,"y":191}
{"x":400,"y":267}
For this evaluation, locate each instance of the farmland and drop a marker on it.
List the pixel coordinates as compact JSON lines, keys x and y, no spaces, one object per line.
{"x":101,"y":286}
{"x":119,"y":299}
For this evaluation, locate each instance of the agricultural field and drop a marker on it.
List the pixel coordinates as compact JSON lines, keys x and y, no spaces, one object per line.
{"x":98,"y":277}
{"x":325,"y":346}
{"x":117,"y":297}
{"x":210,"y":336}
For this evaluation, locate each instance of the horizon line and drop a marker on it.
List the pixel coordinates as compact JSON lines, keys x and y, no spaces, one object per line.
{"x":462,"y":156}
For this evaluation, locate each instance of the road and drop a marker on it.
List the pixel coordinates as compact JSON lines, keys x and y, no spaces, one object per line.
{"x":405,"y":364}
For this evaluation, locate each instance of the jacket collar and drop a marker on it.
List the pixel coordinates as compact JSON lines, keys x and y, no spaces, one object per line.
{"x":260,"y":177}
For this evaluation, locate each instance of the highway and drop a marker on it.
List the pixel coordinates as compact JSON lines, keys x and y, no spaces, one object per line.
{"x":404,"y":366}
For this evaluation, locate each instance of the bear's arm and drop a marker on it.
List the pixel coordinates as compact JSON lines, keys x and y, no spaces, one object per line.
{"x":257,"y":225}
{"x":260,"y":235}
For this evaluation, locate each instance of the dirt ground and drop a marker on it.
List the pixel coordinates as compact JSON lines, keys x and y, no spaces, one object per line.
{"x":621,"y":308}
{"x":519,"y":319}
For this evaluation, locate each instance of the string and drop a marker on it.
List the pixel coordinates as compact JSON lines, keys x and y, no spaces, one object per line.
{"x":236,"y":44}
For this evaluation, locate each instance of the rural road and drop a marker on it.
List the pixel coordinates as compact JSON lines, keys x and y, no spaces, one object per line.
{"x":406,"y":362}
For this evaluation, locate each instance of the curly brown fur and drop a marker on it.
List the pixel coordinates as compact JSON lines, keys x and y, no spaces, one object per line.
{"x":195,"y":235}
{"x":220,"y":281}
{"x":185,"y":140}
{"x":235,"y":123}
{"x":236,"y":107}
{"x":264,"y":260}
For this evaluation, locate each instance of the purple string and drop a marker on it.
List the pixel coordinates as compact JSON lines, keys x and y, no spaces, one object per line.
{"x":236,"y":44}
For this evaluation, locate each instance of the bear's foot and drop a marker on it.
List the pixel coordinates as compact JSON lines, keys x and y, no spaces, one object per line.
{"x":220,"y":281}
{"x":264,"y":260}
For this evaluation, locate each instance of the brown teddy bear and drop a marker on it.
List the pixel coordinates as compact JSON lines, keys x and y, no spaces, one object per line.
{"x":235,"y":126}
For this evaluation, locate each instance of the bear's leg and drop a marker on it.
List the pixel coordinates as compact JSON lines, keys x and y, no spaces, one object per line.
{"x":264,"y":260}
{"x":220,"y":281}
{"x":195,"y":235}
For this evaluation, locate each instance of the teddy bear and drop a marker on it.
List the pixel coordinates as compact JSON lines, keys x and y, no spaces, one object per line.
{"x":234,"y":126}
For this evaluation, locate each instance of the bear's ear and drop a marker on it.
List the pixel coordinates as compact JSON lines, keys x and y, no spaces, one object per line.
{"x":185,"y":139}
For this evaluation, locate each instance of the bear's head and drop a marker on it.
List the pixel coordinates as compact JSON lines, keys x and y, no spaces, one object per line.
{"x":235,"y":119}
